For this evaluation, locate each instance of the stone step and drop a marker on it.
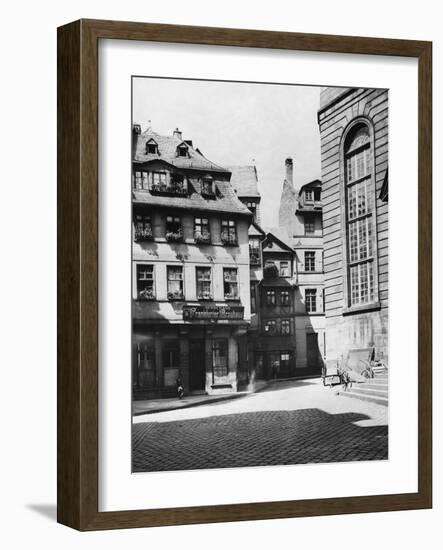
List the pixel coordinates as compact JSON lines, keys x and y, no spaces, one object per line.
{"x":369,"y":398}
{"x":363,"y":389}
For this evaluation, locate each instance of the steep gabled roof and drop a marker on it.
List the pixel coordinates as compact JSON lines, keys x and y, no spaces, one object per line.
{"x":245,"y":180}
{"x":167,"y":151}
{"x":271,"y":237}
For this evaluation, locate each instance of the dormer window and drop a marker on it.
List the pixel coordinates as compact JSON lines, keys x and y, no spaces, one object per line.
{"x":151,"y":147}
{"x":309,"y":195}
{"x":317,"y":194}
{"x":182,"y":150}
{"x":207,"y":187}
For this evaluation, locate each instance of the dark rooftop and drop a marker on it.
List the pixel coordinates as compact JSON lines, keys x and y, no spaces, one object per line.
{"x":245,"y":180}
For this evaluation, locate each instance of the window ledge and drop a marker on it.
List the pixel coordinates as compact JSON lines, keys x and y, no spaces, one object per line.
{"x":361,"y":309}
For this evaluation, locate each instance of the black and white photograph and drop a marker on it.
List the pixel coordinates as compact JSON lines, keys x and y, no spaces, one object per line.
{"x":259,"y":274}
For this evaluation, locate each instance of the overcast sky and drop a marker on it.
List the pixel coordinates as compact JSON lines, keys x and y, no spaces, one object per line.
{"x":239,"y":123}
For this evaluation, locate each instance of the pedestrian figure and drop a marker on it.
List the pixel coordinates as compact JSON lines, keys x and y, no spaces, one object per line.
{"x":179,"y":385}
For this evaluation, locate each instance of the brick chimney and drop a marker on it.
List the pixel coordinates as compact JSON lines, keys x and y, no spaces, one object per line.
{"x":289,"y":171}
{"x":177,"y":134}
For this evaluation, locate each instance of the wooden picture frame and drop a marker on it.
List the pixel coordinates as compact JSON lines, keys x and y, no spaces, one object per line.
{"x":78,"y":274}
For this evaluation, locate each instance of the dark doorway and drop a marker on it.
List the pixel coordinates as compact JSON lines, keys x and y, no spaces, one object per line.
{"x":312,"y":351}
{"x":197,"y":370}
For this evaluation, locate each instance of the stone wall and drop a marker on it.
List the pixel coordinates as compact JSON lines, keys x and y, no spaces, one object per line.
{"x":348,"y":329}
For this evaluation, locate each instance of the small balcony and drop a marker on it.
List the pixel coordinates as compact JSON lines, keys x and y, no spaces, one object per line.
{"x":174,"y":236}
{"x":141,"y":235}
{"x":202,"y":237}
{"x":174,"y":189}
{"x":229,"y":240}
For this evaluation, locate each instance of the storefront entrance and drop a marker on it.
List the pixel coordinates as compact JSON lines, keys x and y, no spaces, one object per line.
{"x":197,"y":370}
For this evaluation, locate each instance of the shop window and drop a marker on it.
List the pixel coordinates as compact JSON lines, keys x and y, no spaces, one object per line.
{"x":220,"y":366}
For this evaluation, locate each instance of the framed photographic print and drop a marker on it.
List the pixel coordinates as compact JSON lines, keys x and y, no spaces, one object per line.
{"x":244,"y":275}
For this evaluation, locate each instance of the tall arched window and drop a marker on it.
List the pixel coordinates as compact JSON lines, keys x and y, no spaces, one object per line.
{"x":360,"y":216}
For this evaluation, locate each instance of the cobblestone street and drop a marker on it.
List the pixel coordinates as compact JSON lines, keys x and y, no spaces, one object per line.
{"x":287,"y":423}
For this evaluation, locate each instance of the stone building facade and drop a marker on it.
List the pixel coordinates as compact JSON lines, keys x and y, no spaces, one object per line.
{"x":301,"y":221}
{"x":353,"y":125}
{"x":191,"y":296}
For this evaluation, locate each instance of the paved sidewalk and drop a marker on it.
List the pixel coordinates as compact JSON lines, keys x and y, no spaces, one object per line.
{"x":151,"y":406}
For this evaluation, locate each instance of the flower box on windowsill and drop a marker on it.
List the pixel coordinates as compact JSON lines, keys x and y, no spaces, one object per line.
{"x":202,"y":238}
{"x":170,"y":190}
{"x":232,"y":297}
{"x":143,"y":235}
{"x":176,"y":296}
{"x":174,"y":237}
{"x":205,"y":296}
{"x":146,"y":295}
{"x":228,"y":240}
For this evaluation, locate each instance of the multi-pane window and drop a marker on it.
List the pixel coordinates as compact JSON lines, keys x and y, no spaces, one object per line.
{"x":285,"y":326}
{"x":309,"y":195}
{"x":220,"y":366}
{"x":141,"y":180}
{"x":201,"y":230}
{"x":311,"y":300}
{"x":270,"y":326}
{"x":175,"y":282}
{"x":159,"y":180}
{"x":284,"y":297}
{"x":270,"y":297}
{"x":228,"y":232}
{"x":173,"y":228}
{"x":142,"y":227}
{"x":145,"y":281}
{"x":309,"y":225}
{"x":203,"y":276}
{"x":284,"y":269}
{"x":359,"y":217}
{"x":309,"y":260}
{"x":317,"y":194}
{"x":230,"y":283}
{"x":254,"y":250}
